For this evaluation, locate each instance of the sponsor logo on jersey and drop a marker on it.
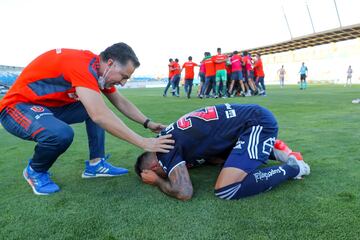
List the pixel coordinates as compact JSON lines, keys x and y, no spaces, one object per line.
{"x":260,"y":176}
{"x":42,"y":114}
{"x":230,"y":113}
{"x":37,"y":109}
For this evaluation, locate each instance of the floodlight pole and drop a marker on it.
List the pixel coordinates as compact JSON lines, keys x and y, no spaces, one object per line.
{"x":337,"y":12}
{"x":287,"y":23}
{"x":312,"y":24}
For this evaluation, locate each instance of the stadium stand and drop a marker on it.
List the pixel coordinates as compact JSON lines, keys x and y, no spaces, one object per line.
{"x":8,"y":75}
{"x":311,"y":40}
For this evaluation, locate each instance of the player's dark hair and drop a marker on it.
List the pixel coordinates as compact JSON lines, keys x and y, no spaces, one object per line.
{"x":245,"y":53}
{"x":170,"y":60}
{"x":140,"y":163}
{"x":122,"y":53}
{"x":190,"y":58}
{"x":235,"y":52}
{"x":176,"y":60}
{"x":218,"y":49}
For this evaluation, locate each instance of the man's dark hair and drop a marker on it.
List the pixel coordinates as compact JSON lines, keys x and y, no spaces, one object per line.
{"x":190,"y":58}
{"x":122,"y":53}
{"x":235,"y":52}
{"x":176,"y":60}
{"x":170,"y":60}
{"x":218,"y":49}
{"x":245,"y":53}
{"x":140,"y":163}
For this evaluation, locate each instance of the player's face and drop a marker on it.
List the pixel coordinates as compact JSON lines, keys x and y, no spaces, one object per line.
{"x":159,"y":171}
{"x":156,"y":167}
{"x":119,"y":74}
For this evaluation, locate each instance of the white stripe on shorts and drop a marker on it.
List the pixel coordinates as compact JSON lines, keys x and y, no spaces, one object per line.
{"x":254,"y":141}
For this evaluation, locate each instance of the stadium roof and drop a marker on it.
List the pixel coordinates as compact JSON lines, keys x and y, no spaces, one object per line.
{"x":320,"y":38}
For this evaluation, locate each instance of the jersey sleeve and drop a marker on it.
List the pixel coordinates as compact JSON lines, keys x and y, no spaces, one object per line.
{"x":169,"y":161}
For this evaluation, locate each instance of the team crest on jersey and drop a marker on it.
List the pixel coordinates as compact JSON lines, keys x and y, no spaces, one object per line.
{"x":37,"y":109}
{"x":268,"y":145}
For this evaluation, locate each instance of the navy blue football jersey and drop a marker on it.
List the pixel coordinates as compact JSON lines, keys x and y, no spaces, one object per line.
{"x":211,"y":131}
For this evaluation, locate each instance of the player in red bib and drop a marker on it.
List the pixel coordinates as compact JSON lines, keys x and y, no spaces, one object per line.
{"x":259,"y":74}
{"x":62,"y":87}
{"x":189,"y":75}
{"x":209,"y":76}
{"x":221,"y":75}
{"x":171,"y":74}
{"x":236,"y":76}
{"x":175,"y":81}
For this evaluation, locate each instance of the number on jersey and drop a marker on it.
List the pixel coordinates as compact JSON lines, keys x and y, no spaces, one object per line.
{"x":207,"y":114}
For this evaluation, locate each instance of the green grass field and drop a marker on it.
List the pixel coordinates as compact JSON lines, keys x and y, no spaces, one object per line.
{"x":321,"y":122}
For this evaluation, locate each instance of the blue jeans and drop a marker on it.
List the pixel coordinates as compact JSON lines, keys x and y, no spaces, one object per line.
{"x":209,"y":83}
{"x":260,"y":83}
{"x":175,"y":84}
{"x":167,"y":86}
{"x":49,"y":127}
{"x":188,"y":86}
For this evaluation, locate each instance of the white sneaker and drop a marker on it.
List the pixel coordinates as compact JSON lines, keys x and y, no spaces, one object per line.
{"x":295,"y":158}
{"x":355,"y":101}
{"x":281,"y":151}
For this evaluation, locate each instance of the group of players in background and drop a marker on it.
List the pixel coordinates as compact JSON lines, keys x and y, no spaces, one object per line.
{"x":221,"y":75}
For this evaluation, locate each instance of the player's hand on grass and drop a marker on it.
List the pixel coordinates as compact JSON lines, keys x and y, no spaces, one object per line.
{"x":161,"y":144}
{"x":156,"y":127}
{"x":149,"y":177}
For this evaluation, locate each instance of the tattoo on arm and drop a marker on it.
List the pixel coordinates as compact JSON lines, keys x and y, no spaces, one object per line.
{"x":178,"y":184}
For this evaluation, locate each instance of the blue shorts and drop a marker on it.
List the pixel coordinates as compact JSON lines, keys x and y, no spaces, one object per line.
{"x":237,"y":76}
{"x":251,"y":74}
{"x":254,"y":144}
{"x":245,"y":76}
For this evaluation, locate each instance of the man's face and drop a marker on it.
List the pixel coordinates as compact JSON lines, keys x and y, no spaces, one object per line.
{"x":156,"y":167}
{"x":119,"y":74}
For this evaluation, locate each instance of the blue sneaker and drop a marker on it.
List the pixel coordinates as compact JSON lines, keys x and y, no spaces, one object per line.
{"x":102,"y":169}
{"x":40,"y":182}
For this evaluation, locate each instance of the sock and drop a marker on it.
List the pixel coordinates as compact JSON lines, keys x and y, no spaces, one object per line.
{"x":94,"y":163}
{"x":272,"y":155}
{"x":258,"y":181}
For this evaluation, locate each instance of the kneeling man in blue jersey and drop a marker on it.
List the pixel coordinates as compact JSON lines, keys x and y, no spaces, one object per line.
{"x":241,"y":136}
